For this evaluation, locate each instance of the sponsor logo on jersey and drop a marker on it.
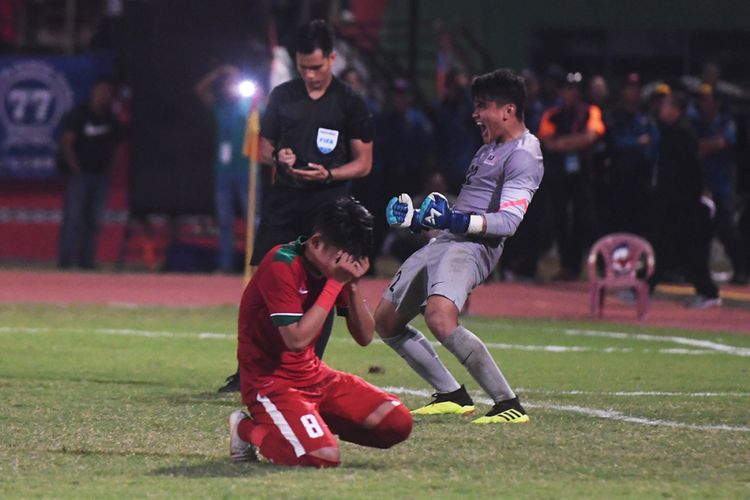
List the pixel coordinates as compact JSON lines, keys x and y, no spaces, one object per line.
{"x":327,"y":140}
{"x":302,"y":290}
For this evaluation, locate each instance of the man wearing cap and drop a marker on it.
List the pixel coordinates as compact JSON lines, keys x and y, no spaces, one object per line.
{"x":568,"y":132}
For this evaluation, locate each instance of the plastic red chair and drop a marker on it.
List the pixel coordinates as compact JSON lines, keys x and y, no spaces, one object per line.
{"x":620,"y":261}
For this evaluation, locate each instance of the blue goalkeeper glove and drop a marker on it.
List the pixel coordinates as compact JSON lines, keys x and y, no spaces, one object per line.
{"x":400,"y":213}
{"x":435,"y":213}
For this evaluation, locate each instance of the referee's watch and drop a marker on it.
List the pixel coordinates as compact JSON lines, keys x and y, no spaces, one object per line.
{"x":329,"y":177}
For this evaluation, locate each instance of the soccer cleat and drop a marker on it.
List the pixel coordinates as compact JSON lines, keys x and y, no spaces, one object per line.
{"x":239,"y":449}
{"x":457,"y":402}
{"x":231,"y":384}
{"x":509,"y":411}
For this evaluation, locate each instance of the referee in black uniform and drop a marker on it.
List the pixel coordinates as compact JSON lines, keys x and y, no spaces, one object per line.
{"x":317,"y":133}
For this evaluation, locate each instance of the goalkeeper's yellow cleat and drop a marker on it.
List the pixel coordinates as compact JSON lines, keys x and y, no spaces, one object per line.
{"x":504,"y":412}
{"x":457,"y":402}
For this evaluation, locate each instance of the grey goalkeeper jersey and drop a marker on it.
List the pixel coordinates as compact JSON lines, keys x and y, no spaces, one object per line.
{"x":499,"y":184}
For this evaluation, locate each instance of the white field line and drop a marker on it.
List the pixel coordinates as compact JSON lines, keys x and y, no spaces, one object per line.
{"x":127,"y":332}
{"x":703,"y":344}
{"x":738,"y":351}
{"x":591,"y":412}
{"x":635,"y":394}
{"x":594,"y":413}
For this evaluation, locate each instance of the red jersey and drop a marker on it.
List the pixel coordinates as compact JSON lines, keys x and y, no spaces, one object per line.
{"x":280,"y":292}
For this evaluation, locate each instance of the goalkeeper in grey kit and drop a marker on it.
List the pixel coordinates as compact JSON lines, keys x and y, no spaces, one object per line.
{"x":436,"y":280}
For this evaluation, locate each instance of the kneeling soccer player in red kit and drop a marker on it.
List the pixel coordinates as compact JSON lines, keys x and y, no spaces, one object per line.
{"x":296,"y":402}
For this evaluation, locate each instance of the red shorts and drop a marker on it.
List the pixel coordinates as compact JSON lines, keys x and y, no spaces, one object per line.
{"x":307,"y":418}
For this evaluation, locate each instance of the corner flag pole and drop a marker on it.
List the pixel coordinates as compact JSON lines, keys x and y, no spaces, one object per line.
{"x":251,"y":149}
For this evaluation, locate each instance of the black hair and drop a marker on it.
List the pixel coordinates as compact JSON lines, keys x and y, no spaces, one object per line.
{"x":503,"y":86}
{"x":316,"y":34}
{"x":679,"y":99}
{"x":346,"y":224}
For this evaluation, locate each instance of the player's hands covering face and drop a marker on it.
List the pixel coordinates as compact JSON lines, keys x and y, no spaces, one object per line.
{"x":346,"y":268}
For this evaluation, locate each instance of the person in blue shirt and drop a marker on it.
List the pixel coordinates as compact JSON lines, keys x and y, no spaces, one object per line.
{"x":633,"y":140}
{"x":717,"y":137}
{"x":219,"y":90}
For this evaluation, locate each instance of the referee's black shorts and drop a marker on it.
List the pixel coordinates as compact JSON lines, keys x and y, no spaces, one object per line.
{"x":288,"y":213}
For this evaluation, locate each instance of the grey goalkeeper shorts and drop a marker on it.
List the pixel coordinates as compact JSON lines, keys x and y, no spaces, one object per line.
{"x":443,"y":267}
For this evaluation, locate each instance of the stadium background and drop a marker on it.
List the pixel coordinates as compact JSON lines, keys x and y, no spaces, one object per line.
{"x":108,"y":379}
{"x":161,"y":48}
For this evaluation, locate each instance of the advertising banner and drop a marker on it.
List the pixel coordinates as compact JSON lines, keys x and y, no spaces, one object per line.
{"x":35,"y":94}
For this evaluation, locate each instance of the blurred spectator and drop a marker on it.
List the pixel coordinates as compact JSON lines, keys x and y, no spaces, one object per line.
{"x":354,"y":79}
{"x":744,"y":222}
{"x":88,"y":151}
{"x":634,"y":139}
{"x":406,"y":143}
{"x":458,"y":136}
{"x":568,"y":133}
{"x":598,"y":92}
{"x":549,"y":90}
{"x":710,"y":73}
{"x":522,"y":252}
{"x":10,"y":15}
{"x":681,"y":233}
{"x":656,"y":93}
{"x":717,"y":136}
{"x":534,"y":105}
{"x":220,"y":91}
{"x":450,"y":60}
{"x":369,"y":190}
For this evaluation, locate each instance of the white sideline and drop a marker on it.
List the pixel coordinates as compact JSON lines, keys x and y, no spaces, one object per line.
{"x":704,"y":344}
{"x":707,"y":346}
{"x":635,"y":394}
{"x":128,"y":332}
{"x":592,"y":412}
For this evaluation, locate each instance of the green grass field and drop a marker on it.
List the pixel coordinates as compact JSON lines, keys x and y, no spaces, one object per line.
{"x":108,"y":402}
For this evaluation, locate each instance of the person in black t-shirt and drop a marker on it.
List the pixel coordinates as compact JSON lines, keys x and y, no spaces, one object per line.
{"x":87,"y":153}
{"x":682,"y":211}
{"x":317,"y":134}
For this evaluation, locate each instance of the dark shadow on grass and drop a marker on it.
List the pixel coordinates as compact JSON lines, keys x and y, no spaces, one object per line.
{"x":121,"y":453}
{"x":226,"y":468}
{"x":232,"y":400}
{"x":56,"y":378}
{"x":218,"y":468}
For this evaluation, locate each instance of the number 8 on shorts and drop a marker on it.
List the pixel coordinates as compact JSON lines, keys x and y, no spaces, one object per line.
{"x":311,"y":425}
